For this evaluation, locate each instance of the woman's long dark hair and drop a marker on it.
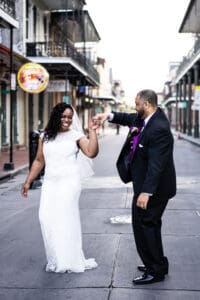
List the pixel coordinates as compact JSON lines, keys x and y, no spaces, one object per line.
{"x":54,"y":123}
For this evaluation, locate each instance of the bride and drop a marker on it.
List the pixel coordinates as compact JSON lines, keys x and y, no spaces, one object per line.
{"x":59,"y":204}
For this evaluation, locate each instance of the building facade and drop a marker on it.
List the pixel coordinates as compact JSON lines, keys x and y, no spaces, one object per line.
{"x":183,"y":100}
{"x":55,"y":34}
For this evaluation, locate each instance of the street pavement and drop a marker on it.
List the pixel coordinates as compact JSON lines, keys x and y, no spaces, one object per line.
{"x":104,"y":199}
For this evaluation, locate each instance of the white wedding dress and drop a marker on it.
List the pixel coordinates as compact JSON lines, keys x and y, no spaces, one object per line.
{"x":59,"y":206}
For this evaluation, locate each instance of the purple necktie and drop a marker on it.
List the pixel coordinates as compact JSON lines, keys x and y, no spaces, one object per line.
{"x":135,"y":141}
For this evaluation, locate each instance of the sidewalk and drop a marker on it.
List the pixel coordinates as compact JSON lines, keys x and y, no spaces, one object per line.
{"x":184,"y":136}
{"x":20,"y":159}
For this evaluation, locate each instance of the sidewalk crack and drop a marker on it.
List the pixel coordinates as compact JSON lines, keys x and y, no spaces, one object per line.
{"x":114,"y":267}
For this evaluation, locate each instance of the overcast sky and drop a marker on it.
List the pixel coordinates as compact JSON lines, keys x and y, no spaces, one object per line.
{"x":139,"y":38}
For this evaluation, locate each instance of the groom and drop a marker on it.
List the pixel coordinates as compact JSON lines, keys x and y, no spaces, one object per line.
{"x":149,"y":152}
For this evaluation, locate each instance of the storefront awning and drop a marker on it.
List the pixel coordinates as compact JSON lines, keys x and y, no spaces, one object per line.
{"x":18,"y":61}
{"x":108,"y":98}
{"x":61,"y":67}
{"x":173,"y":100}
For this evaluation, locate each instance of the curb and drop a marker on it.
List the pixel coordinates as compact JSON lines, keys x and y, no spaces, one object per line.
{"x":190,"y":139}
{"x":11,"y":174}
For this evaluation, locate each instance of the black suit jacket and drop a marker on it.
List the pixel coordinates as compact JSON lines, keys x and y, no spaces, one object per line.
{"x":152,"y":168}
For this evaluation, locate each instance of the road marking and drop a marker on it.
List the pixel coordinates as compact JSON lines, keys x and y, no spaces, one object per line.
{"x":122,"y":219}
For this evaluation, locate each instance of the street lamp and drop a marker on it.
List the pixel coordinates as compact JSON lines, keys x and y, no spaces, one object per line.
{"x":10,"y":165}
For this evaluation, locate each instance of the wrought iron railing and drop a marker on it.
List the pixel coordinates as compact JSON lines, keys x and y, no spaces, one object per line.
{"x":8,"y":6}
{"x":53,"y":49}
{"x":194,"y":51}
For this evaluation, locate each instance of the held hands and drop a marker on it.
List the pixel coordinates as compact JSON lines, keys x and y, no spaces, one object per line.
{"x":100,"y":118}
{"x":142,"y":200}
{"x":94,"y":124}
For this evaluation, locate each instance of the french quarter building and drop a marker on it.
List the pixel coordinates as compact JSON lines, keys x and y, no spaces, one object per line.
{"x":182,"y":91}
{"x":59,"y":35}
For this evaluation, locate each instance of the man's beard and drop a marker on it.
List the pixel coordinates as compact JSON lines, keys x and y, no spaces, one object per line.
{"x":141,"y":114}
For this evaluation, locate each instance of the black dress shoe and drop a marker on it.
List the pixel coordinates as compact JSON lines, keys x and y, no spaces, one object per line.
{"x":142,"y":268}
{"x":148,"y":279}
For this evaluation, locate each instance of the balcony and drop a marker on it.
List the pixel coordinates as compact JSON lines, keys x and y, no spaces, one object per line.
{"x":8,"y":6}
{"x":61,"y":50}
{"x":7,"y":14}
{"x":52,"y":5}
{"x":189,"y":60}
{"x":77,"y":26}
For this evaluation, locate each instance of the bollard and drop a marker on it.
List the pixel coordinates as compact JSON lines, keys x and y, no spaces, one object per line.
{"x":33,"y":145}
{"x":117,"y":128}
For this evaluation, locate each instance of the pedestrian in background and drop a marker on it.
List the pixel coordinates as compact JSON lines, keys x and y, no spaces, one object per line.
{"x":59,"y":204}
{"x":148,"y":163}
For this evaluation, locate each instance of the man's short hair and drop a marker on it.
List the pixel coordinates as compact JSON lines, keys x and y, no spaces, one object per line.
{"x":148,"y":95}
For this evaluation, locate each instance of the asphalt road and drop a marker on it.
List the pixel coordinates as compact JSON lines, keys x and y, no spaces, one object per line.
{"x":104,"y":198}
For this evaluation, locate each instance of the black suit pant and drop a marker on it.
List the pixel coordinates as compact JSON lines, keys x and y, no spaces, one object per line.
{"x":147,"y":232}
